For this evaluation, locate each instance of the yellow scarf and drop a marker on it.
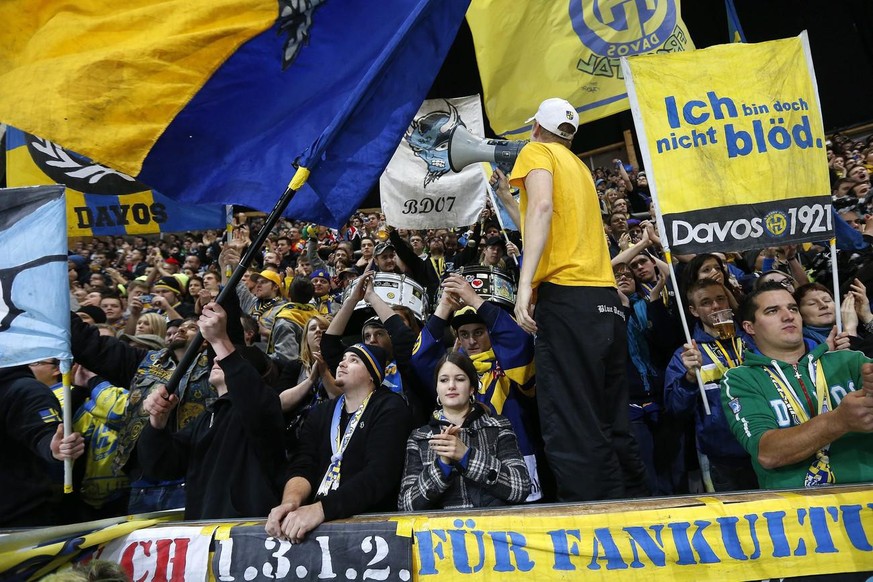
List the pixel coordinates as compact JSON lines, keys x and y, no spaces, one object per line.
{"x":493,"y":383}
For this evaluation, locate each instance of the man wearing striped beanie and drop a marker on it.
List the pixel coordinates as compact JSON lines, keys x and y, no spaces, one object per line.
{"x":351,"y":452}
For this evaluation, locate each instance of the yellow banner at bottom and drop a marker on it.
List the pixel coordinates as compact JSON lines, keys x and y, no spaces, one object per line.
{"x":790,"y":534}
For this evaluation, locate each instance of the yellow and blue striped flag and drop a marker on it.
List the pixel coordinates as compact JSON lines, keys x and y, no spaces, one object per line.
{"x":212,"y":101}
{"x":101,"y":201}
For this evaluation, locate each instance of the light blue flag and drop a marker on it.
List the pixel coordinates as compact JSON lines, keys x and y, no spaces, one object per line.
{"x":34,"y":296}
{"x":505,"y":220}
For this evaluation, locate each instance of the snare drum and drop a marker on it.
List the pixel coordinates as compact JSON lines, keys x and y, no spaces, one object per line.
{"x":489,"y":283}
{"x":396,"y":290}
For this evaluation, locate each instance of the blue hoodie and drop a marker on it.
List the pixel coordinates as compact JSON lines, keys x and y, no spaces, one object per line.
{"x":714,"y":436}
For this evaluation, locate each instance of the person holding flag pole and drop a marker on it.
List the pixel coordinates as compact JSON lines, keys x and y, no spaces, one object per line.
{"x":744,"y":203}
{"x":366,"y":99}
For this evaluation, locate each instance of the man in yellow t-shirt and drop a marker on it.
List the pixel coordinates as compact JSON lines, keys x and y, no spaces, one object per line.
{"x":581,"y":338}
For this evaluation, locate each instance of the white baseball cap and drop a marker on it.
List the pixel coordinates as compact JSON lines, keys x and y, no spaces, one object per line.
{"x":555,"y":111}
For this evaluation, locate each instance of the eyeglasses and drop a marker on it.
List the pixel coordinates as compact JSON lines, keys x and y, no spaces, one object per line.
{"x":623,"y":275}
{"x":44,"y":363}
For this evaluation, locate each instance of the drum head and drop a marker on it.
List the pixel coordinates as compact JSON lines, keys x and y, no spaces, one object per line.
{"x":396,"y":290}
{"x":491,"y":284}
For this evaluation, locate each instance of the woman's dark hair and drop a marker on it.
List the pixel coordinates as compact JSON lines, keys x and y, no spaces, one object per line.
{"x":188,"y":284}
{"x":692,"y":269}
{"x":408,"y":317}
{"x":803,"y":290}
{"x":462,"y":361}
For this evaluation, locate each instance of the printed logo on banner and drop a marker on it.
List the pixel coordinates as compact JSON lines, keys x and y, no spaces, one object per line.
{"x":733,"y":164}
{"x":77,"y":171}
{"x":584,"y":40}
{"x":751,"y":225}
{"x":776,"y":223}
{"x":617,"y":28}
{"x":100,"y":200}
{"x":418,"y":189}
{"x":428,"y":138}
{"x":295,"y":20}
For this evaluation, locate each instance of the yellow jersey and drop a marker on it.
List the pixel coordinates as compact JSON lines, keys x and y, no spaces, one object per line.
{"x":576,"y":253}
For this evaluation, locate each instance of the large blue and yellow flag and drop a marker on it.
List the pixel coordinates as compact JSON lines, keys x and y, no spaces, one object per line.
{"x":100,"y":200}
{"x":530,"y":51}
{"x":211,"y":101}
{"x":34,"y":312}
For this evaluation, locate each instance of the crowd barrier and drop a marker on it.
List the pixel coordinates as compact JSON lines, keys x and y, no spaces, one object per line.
{"x":744,"y":536}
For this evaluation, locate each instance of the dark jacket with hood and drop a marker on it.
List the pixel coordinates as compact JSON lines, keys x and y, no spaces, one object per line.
{"x":232,"y":456}
{"x":372,"y":463}
{"x":29,"y":418}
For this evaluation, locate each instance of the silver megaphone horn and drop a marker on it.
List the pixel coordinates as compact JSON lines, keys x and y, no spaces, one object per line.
{"x":466,"y":148}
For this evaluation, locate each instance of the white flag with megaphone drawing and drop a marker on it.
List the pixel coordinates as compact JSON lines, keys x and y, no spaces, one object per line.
{"x":418,"y":188}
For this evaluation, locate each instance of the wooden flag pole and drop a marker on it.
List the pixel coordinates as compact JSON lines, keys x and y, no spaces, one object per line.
{"x":66,"y":365}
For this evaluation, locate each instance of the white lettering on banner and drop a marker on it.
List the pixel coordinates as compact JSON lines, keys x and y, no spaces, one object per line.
{"x":808,"y":219}
{"x":811,"y":217}
{"x":707,"y":232}
{"x":371,"y":551}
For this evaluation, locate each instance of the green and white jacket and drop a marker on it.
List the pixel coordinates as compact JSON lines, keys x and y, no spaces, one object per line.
{"x":753,"y":405}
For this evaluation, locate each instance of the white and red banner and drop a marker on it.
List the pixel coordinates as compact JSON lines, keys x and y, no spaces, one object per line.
{"x":169,"y":554}
{"x":419,"y":189}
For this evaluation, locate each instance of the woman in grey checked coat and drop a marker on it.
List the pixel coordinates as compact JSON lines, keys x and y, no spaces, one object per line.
{"x":464,"y":457}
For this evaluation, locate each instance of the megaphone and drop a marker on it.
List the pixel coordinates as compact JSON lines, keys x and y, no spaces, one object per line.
{"x":466,"y":148}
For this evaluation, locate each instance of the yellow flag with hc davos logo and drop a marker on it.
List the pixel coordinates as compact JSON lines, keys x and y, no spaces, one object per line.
{"x":733,"y":140}
{"x":530,"y":51}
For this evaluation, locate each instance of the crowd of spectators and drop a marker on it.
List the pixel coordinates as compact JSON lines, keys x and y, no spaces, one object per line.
{"x":444,"y":394}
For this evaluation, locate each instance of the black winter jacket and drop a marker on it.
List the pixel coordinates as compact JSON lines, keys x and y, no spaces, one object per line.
{"x":232,"y":456}
{"x":372,"y":463}
{"x":29,"y":417}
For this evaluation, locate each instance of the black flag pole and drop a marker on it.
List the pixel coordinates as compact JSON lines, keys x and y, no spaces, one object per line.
{"x":193,"y":349}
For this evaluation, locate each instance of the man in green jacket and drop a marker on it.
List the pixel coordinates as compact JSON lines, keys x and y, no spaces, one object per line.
{"x":804,"y":414}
